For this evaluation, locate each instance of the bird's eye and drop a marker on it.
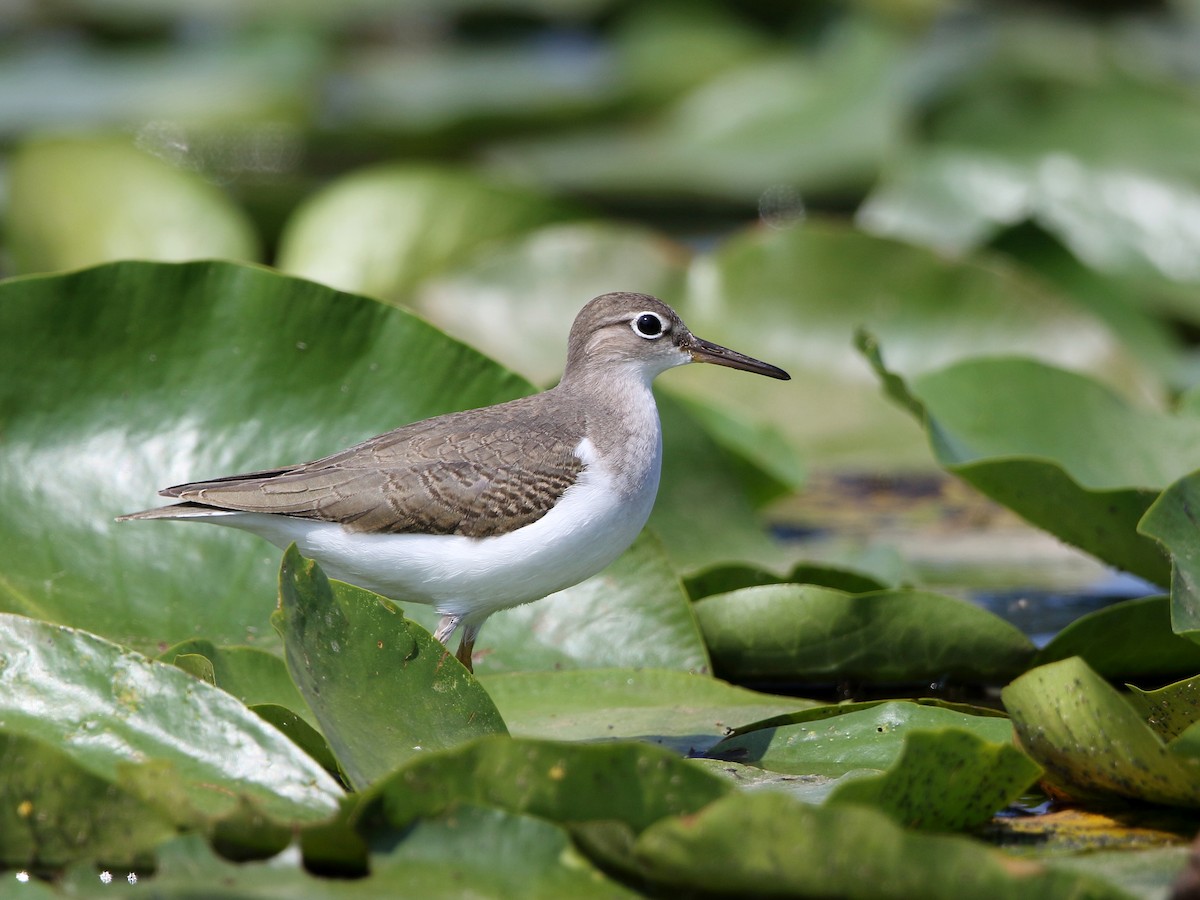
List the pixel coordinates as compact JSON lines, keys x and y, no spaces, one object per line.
{"x":649,"y":325}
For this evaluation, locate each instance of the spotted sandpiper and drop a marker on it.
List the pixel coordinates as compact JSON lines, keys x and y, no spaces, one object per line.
{"x":478,"y":511}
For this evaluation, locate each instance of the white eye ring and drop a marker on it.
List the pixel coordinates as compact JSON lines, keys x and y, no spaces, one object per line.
{"x":648,"y":325}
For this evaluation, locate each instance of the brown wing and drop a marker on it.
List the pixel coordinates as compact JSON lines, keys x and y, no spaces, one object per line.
{"x":477,"y":473}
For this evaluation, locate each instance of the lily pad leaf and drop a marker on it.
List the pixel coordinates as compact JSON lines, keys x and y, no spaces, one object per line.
{"x":1130,"y":639}
{"x":108,"y":708}
{"x":53,"y":811}
{"x":1092,"y":742}
{"x":945,"y":780}
{"x":569,"y":783}
{"x":1053,"y":446}
{"x":75,"y":202}
{"x":729,"y":577}
{"x":380,"y":230}
{"x":1171,"y":520}
{"x":801,"y":850}
{"x":685,"y":712}
{"x":833,"y":740}
{"x":382,"y":688}
{"x":243,"y":369}
{"x":803,"y":632}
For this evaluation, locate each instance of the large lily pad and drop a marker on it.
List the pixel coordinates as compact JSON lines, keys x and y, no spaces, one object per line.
{"x":76,"y":202}
{"x":1060,"y":449}
{"x":805,"y":633}
{"x":1093,"y":743}
{"x":685,"y":712}
{"x":122,"y":379}
{"x":382,"y":688}
{"x":110,"y":709}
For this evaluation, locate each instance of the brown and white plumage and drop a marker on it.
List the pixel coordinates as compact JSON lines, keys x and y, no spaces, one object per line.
{"x":481,"y":510}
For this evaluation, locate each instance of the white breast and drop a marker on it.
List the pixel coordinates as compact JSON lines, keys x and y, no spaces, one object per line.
{"x":587,"y":529}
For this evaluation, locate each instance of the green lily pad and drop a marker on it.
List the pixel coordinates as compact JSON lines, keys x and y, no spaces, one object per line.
{"x":946,"y":780}
{"x":1092,"y":742}
{"x":75,"y":202}
{"x":568,"y":783}
{"x":834,"y":740}
{"x":119,"y":380}
{"x":799,"y":850}
{"x":110,"y":709}
{"x":380,"y":230}
{"x":802,"y":632}
{"x":687,"y":713}
{"x":53,"y":810}
{"x":382,"y":688}
{"x":1053,"y":446}
{"x":1170,"y":520}
{"x":1131,"y":639}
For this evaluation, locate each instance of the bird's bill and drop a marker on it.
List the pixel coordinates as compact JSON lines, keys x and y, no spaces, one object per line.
{"x":708,"y":352}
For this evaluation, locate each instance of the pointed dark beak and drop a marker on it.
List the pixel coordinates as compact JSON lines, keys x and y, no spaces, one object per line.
{"x":708,"y":352}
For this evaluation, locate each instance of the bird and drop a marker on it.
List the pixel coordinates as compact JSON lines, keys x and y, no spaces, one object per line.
{"x":477,"y":511}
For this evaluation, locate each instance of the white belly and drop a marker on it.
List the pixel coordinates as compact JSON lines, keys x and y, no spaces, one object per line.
{"x":473,"y":577}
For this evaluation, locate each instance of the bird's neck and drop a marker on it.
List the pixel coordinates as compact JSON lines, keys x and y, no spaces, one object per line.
{"x":621,"y":422}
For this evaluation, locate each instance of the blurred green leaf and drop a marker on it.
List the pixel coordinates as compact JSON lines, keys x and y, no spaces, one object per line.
{"x":110,"y":709}
{"x":687,"y":713}
{"x":634,"y":613}
{"x":816,"y":122}
{"x":75,"y":202}
{"x":1055,"y":447}
{"x":834,"y":740}
{"x":847,"y":851}
{"x":1171,"y":520}
{"x":380,"y":230}
{"x":803,"y":633}
{"x":53,"y":810}
{"x":59,"y":85}
{"x":382,"y":688}
{"x":797,"y":296}
{"x":946,"y":780}
{"x":1092,"y":742}
{"x":1131,"y":639}
{"x":515,"y":298}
